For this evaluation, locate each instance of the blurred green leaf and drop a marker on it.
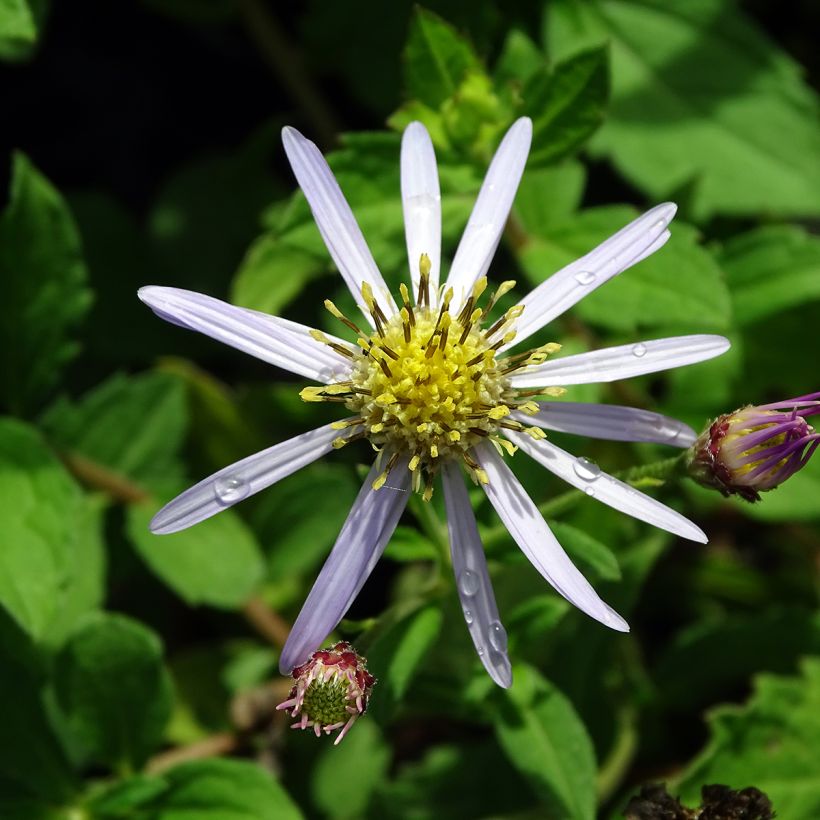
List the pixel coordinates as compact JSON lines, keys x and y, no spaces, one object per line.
{"x":701,"y":98}
{"x":114,"y":690}
{"x":20,"y":22}
{"x":217,"y":562}
{"x":217,"y":788}
{"x":396,"y":655}
{"x":770,"y":269}
{"x":408,"y":544}
{"x":680,"y":285}
{"x":30,"y":755}
{"x":436,"y":58}
{"x":519,"y":59}
{"x":546,"y":741}
{"x":771,"y":743}
{"x":360,"y":762}
{"x":594,"y":558}
{"x":132,"y":425}
{"x":549,"y":196}
{"x":44,"y":288}
{"x":567,"y":104}
{"x":52,"y":559}
{"x":286,"y":519}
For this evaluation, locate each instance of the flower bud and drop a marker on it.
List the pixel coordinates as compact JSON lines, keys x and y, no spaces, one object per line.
{"x":756,"y":448}
{"x":331,"y":690}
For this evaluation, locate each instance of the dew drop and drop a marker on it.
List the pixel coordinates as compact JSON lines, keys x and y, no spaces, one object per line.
{"x":639,"y":350}
{"x":661,"y":223}
{"x":497,"y":636}
{"x":468,"y":582}
{"x":586,"y":469}
{"x":230,"y":488}
{"x":468,"y":615}
{"x":585,"y":277}
{"x":590,"y":492}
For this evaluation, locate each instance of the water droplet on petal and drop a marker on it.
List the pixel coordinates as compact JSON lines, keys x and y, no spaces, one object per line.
{"x":585,"y":277}
{"x":590,"y":492}
{"x":661,"y":223}
{"x":639,"y":350}
{"x":468,"y":582}
{"x":230,"y":488}
{"x":497,"y":636}
{"x":468,"y":616}
{"x":586,"y":469}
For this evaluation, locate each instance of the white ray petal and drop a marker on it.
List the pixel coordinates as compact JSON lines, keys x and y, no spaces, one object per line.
{"x":609,"y":421}
{"x":489,"y":216}
{"x":281,"y":342}
{"x":622,"y":362}
{"x":563,"y":289}
{"x":335,"y":220}
{"x":475,"y":589}
{"x":588,"y":477}
{"x":364,"y":535}
{"x":521,"y":517}
{"x":421,"y":200}
{"x":237,"y":482}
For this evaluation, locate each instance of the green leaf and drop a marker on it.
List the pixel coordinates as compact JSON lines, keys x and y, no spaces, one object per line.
{"x":408,"y":544}
{"x":132,"y":425}
{"x":52,"y":559}
{"x":30,"y":756}
{"x":436,"y":59}
{"x":272,"y":274}
{"x":519,"y":59}
{"x":114,"y":690}
{"x":216,"y":789}
{"x":44,"y":288}
{"x":567,"y":104}
{"x":595,"y":558}
{"x":772,"y":743}
{"x":395,"y":657}
{"x":546,"y":741}
{"x":679,"y":286}
{"x":19,"y":27}
{"x":360,"y":762}
{"x":540,"y":211}
{"x":771,"y":269}
{"x":701,"y":98}
{"x":217,"y":562}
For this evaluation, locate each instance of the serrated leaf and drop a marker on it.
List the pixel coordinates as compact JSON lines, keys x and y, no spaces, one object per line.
{"x":52,"y":558}
{"x":679,"y":286}
{"x":114,"y":690}
{"x":567,"y":104}
{"x":131,"y":425}
{"x":436,"y":59}
{"x":701,"y":98}
{"x":771,"y":742}
{"x":771,"y":269}
{"x":546,"y":741}
{"x":217,"y":562}
{"x":395,"y":657}
{"x":44,"y":288}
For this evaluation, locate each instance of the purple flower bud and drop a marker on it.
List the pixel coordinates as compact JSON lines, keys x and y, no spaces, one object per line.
{"x":331,"y":690}
{"x":756,"y":448}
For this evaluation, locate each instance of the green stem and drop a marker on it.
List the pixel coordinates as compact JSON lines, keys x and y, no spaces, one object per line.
{"x":431,"y":525}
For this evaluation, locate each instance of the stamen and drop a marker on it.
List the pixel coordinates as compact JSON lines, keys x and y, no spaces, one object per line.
{"x":336,"y":313}
{"x":424,"y":280}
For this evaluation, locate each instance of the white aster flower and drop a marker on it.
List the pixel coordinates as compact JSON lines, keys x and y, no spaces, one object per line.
{"x":433,"y":388}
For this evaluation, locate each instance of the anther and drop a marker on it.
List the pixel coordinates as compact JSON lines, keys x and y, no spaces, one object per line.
{"x":336,"y":313}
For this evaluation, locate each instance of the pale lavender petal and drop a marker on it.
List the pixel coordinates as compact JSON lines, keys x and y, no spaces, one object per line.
{"x":529,"y":530}
{"x":364,"y":535}
{"x":622,"y":362}
{"x":572,"y":283}
{"x":421,"y":200}
{"x":585,"y":475}
{"x":286,"y":344}
{"x":475,"y":589}
{"x":233,"y":484}
{"x":335,"y":220}
{"x":489,"y":216}
{"x":609,"y":421}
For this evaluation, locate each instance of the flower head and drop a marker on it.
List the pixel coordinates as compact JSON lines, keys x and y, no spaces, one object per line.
{"x":331,"y":691}
{"x":433,"y":383}
{"x":756,"y":448}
